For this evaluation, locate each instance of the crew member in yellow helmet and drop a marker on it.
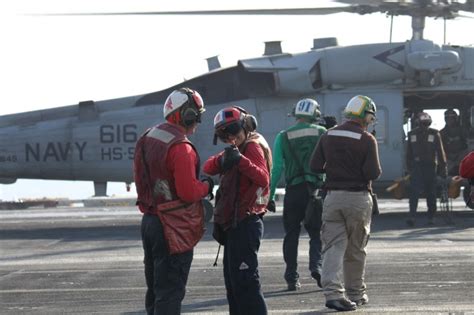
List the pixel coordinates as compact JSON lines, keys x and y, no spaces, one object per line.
{"x":348,"y":154}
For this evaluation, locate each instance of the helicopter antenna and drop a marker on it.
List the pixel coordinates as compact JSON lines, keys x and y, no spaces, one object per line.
{"x":391,"y":27}
{"x":444,"y":32}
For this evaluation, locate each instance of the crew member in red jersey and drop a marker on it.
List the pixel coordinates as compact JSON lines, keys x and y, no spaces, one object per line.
{"x":166,"y":170}
{"x":244,"y":168}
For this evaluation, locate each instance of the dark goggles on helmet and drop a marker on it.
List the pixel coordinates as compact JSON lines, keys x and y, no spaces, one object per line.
{"x":231,"y":129}
{"x":198,"y":101}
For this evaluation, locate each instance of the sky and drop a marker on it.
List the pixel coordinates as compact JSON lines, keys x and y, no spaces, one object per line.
{"x":53,"y":61}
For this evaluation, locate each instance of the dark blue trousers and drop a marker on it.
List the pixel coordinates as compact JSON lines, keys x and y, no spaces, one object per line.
{"x":242,"y":280}
{"x":166,"y":275}
{"x":294,"y":207}
{"x":423,"y":178}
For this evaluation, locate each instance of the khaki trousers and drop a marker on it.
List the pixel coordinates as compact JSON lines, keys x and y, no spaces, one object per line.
{"x":344,"y":234}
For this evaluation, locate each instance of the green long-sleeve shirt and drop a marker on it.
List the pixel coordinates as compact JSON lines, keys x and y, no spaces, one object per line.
{"x":303,"y":138}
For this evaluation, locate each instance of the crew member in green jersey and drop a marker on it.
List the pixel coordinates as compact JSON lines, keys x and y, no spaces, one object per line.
{"x":291,"y":153}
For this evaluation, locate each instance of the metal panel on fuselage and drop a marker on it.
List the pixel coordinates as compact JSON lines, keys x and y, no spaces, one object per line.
{"x":41,"y":150}
{"x":111,"y":142}
{"x":273,"y":115}
{"x":102,"y":149}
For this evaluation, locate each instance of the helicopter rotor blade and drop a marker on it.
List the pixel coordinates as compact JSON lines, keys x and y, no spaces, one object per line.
{"x":369,"y":2}
{"x":428,"y":8}
{"x":290,"y":11}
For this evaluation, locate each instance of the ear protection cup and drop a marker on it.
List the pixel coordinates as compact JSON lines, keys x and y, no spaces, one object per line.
{"x":189,"y":113}
{"x":189,"y":116}
{"x":369,"y":119}
{"x":249,"y":122}
{"x":317,"y":114}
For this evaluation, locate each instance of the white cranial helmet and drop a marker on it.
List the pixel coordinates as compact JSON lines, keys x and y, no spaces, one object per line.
{"x":307,"y":108}
{"x":183,"y":97}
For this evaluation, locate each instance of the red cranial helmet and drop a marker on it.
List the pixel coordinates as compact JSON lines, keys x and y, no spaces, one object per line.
{"x":231,"y":120}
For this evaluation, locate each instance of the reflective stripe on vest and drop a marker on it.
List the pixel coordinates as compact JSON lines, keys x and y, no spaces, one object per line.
{"x":160,"y":134}
{"x":345,"y":133}
{"x":305,"y":132}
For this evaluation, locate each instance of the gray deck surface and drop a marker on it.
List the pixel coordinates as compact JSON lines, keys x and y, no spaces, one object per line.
{"x":89,"y":261}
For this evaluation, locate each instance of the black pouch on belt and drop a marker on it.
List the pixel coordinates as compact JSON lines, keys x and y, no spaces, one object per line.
{"x":218,"y":234}
{"x":375,"y":204}
{"x":313,"y":212}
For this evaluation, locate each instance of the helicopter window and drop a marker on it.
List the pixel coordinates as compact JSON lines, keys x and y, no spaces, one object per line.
{"x":437,"y":115}
{"x":381,"y":126}
{"x":315,"y":76}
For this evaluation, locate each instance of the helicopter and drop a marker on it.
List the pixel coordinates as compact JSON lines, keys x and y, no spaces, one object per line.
{"x":94,"y":140}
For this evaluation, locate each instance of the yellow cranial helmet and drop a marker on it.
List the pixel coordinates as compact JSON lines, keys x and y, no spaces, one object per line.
{"x":359,"y":106}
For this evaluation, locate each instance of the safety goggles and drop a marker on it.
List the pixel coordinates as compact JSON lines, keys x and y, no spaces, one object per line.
{"x":231,"y":129}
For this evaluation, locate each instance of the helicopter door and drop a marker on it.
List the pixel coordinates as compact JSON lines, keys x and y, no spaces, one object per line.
{"x":389,"y":127}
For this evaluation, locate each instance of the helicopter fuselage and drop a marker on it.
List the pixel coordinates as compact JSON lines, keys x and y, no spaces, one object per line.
{"x":94,"y":141}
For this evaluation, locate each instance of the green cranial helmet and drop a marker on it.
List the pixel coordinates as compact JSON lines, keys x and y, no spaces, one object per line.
{"x":359,"y":106}
{"x":307,"y":108}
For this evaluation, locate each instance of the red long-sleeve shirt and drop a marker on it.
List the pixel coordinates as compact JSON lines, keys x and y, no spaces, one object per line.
{"x":181,"y":161}
{"x":252,"y":166}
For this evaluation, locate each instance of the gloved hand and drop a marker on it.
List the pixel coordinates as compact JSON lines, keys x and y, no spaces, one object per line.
{"x":230,"y":157}
{"x":271,"y":206}
{"x":210,"y":182}
{"x":328,"y":121}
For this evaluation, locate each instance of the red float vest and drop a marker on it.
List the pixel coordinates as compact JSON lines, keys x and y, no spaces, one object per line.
{"x":466,"y":168}
{"x":232,"y":208}
{"x":155,"y":144}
